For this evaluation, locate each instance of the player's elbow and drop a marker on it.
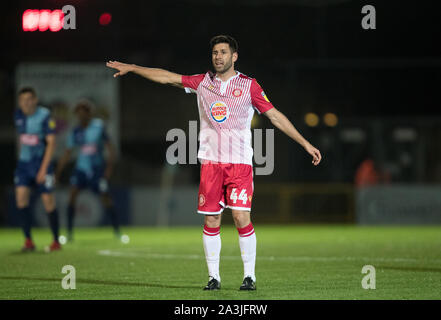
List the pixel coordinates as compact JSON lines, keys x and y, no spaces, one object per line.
{"x":275,"y":122}
{"x":274,"y":118}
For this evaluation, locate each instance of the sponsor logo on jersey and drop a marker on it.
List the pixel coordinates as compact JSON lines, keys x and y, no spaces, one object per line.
{"x":219,"y":111}
{"x":29,"y":139}
{"x":201,"y":200}
{"x":237,"y":92}
{"x":264,"y":96}
{"x":88,"y":149}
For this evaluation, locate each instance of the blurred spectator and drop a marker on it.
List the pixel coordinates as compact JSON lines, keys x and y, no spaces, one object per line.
{"x":368,"y":174}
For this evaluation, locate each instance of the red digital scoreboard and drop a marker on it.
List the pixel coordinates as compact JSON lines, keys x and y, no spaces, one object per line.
{"x":43,"y":20}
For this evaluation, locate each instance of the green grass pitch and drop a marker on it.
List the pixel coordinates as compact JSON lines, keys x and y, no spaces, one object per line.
{"x":293,"y":262}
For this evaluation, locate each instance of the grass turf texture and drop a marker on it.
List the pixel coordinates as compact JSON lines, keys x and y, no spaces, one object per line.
{"x":293,"y":262}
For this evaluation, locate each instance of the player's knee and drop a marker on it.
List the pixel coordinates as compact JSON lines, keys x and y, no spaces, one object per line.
{"x":50,"y":207}
{"x":241,"y":218}
{"x":212,"y":221}
{"x":22,"y":203}
{"x":49,"y":203}
{"x":21,"y":198}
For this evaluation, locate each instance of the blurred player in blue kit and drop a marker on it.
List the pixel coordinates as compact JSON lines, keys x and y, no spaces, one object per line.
{"x":91,"y":171}
{"x":36,"y":131}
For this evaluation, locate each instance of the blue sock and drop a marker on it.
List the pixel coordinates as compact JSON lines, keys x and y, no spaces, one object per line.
{"x":70,"y":217}
{"x":53,"y":222}
{"x":26,"y":221}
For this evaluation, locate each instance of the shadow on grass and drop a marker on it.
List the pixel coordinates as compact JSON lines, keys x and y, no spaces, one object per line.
{"x":415,"y":269}
{"x":103,"y":282}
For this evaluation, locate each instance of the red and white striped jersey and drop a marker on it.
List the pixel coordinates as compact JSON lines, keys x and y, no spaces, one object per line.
{"x":225,"y":110}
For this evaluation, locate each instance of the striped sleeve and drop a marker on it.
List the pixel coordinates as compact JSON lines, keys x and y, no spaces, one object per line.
{"x":191,"y":83}
{"x":259,"y":99}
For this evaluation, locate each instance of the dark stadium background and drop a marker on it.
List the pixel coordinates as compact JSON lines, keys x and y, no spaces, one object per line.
{"x":309,"y":56}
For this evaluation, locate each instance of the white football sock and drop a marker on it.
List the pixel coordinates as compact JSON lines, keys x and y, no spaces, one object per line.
{"x":247,"y":244}
{"x":212,"y":247}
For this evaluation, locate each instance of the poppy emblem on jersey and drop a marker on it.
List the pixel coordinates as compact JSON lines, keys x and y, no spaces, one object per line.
{"x":237,"y":92}
{"x":265,"y":97}
{"x":201,"y":199}
{"x":51,"y":124}
{"x":219,"y":111}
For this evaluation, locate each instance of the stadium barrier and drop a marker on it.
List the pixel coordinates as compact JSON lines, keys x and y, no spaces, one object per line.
{"x":272,"y":203}
{"x":304,"y":203}
{"x":399,"y":204}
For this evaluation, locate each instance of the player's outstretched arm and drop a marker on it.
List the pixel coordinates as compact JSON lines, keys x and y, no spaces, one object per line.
{"x":154,"y":74}
{"x":280,"y":121}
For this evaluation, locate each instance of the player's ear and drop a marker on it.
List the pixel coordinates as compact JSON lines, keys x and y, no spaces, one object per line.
{"x":235,"y":56}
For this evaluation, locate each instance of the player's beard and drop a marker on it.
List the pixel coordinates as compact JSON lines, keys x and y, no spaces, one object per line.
{"x":225,"y":67}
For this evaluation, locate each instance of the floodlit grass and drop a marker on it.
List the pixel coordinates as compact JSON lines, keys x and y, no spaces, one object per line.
{"x":293,"y":262}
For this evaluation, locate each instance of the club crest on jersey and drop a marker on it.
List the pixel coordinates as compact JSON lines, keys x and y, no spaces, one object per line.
{"x":237,"y":92}
{"x":201,"y":200}
{"x":219,"y":111}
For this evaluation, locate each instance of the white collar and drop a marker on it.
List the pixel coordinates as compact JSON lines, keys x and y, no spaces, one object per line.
{"x":235,"y":76}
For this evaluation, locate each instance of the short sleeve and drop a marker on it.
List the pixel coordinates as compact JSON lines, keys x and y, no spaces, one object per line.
{"x":70,"y":141}
{"x":49,"y":125}
{"x":259,"y":99}
{"x":18,"y":116}
{"x":191,"y":83}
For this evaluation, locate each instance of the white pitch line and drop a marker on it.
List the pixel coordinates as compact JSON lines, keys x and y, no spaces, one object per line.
{"x":129,"y":254}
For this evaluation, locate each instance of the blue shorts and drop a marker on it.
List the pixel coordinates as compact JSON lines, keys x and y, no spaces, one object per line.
{"x":26,"y":174}
{"x":94,"y":181}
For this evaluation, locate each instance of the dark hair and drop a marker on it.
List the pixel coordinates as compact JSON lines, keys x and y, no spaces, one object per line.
{"x":224,"y":39}
{"x":27,"y":90}
{"x":84,"y":104}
